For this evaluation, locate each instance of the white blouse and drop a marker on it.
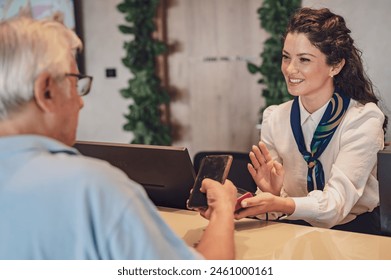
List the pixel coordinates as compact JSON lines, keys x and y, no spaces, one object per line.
{"x":349,"y":162}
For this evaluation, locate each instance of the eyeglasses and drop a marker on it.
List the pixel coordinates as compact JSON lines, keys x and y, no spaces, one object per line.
{"x":84,"y":83}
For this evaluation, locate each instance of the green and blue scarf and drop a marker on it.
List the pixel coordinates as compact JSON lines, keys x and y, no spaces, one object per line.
{"x":324,"y":132}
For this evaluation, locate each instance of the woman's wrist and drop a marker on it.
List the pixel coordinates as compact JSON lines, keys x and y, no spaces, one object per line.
{"x":289,"y":205}
{"x":286,"y":205}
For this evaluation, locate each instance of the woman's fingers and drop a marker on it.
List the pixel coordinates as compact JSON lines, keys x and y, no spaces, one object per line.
{"x":258,"y":155}
{"x":261,"y":154}
{"x":252,"y":170}
{"x":254,"y":160}
{"x":248,"y":208}
{"x":265,"y":152}
{"x":279,"y":169}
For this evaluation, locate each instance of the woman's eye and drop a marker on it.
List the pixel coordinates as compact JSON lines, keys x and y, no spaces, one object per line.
{"x":285,"y":57}
{"x":303,"y":59}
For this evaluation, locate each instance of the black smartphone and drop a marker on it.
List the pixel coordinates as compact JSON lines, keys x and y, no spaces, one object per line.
{"x":214,"y":167}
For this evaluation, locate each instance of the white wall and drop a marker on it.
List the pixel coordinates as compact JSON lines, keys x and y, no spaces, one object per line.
{"x":216,"y":100}
{"x":102,"y":117}
{"x":370,"y":23}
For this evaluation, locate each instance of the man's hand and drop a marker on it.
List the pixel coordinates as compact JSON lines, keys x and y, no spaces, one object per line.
{"x":221,"y":198}
{"x":217,"y":241}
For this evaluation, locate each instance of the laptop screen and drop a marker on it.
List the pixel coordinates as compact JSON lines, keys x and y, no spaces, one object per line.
{"x":166,"y":172}
{"x":384,"y":177}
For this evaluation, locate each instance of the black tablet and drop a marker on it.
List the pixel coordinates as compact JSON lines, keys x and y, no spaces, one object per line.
{"x":166,"y":172}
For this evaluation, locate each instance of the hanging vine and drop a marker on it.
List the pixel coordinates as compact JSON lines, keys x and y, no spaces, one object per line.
{"x":145,"y":115}
{"x":274,"y":16}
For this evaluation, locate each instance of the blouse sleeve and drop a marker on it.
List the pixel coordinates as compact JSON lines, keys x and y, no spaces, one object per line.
{"x":353,"y":170}
{"x":267,"y":133}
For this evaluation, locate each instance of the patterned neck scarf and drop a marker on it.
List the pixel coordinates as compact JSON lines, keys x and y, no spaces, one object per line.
{"x":331,"y":118}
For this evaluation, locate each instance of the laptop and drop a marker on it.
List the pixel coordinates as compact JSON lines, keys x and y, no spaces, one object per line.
{"x":166,"y":172}
{"x":384,"y":177}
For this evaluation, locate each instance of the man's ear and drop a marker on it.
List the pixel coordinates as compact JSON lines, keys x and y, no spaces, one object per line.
{"x":337,"y":68}
{"x":42,"y":94}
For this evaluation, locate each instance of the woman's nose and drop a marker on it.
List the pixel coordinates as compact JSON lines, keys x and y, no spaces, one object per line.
{"x":292,"y":67}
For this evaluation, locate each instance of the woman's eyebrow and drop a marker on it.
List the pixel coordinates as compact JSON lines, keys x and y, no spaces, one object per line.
{"x":299,"y":54}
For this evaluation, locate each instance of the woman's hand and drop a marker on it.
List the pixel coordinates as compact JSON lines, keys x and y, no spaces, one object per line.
{"x":263,"y":203}
{"x":267,"y":173}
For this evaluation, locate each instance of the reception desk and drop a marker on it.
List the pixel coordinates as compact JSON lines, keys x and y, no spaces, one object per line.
{"x":256,"y":239}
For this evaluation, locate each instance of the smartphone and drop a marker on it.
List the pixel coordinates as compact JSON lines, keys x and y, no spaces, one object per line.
{"x":242,"y":194}
{"x":214,"y":167}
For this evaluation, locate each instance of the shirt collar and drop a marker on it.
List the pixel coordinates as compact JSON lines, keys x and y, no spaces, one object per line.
{"x":315,"y":116}
{"x":16,"y":143}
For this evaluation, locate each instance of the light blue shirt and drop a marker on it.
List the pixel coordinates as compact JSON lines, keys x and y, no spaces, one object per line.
{"x":58,"y":204}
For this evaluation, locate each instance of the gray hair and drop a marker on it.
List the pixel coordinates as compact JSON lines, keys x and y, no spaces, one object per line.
{"x":29,"y":47}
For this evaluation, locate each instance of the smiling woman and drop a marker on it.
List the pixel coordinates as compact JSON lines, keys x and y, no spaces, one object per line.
{"x":306,"y":71}
{"x":317,"y":157}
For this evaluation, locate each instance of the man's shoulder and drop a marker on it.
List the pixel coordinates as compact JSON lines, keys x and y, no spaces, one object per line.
{"x":72,"y":170}
{"x":90,"y":172}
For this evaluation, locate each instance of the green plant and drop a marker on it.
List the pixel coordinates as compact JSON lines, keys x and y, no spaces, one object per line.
{"x":144,"y":118}
{"x":274,"y":16}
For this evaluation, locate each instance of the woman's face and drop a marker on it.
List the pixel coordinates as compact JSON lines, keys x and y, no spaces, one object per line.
{"x":305,"y":70}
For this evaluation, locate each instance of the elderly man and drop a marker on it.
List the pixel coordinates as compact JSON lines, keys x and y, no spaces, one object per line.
{"x":56,"y":203}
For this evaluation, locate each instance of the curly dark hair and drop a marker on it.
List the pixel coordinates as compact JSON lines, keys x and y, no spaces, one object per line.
{"x":328,"y":32}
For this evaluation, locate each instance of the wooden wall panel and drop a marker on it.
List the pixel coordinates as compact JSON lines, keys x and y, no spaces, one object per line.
{"x":215,"y":100}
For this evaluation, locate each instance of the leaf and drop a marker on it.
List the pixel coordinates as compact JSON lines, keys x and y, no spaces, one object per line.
{"x":122,"y":7}
{"x":159,"y":48}
{"x":274,"y":16}
{"x":125,"y":93}
{"x":252,"y":68}
{"x":126,"y":29}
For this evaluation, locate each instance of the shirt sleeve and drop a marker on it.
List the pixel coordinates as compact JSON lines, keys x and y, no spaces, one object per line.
{"x":353,"y":170}
{"x":123,"y":221}
{"x":140,"y":233}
